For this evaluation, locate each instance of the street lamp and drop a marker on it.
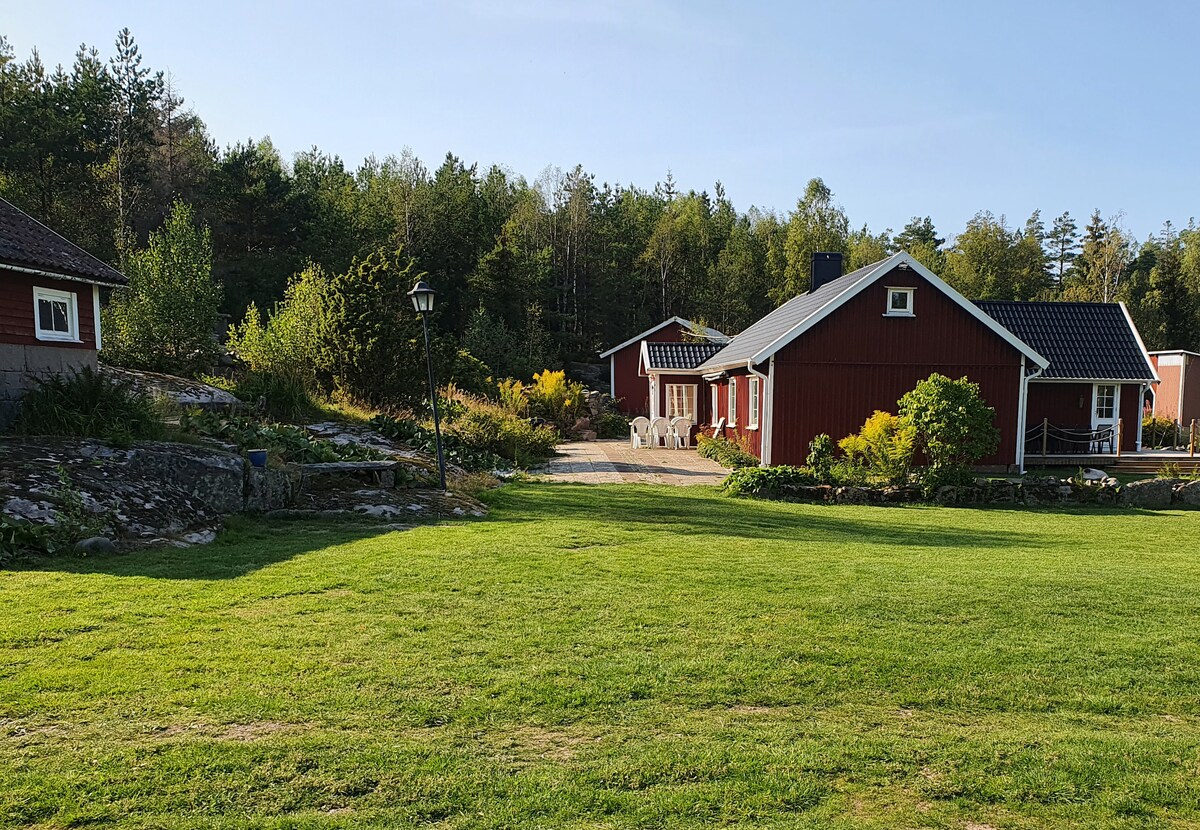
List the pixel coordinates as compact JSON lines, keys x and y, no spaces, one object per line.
{"x":422,"y":300}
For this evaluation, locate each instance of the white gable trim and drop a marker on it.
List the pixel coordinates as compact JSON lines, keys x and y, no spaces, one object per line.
{"x":685,"y":323}
{"x":1141,"y":345}
{"x":882,"y":268}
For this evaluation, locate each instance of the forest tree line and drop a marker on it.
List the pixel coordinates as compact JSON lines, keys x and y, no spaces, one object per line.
{"x":529,"y":274}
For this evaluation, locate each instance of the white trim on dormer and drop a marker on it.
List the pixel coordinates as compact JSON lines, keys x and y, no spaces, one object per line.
{"x":710,"y":333}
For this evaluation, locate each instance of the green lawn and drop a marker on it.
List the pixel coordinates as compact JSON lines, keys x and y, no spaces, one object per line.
{"x":593,"y":657}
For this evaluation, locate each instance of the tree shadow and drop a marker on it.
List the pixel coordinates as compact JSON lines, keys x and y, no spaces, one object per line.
{"x":246,"y":545}
{"x":694,"y":511}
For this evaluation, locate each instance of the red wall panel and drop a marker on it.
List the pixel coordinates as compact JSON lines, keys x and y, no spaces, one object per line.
{"x":1191,"y":389}
{"x":16,"y":309}
{"x":1069,"y":405}
{"x":1166,"y":394}
{"x":857,"y":360}
{"x":631,"y":390}
{"x":741,"y":432}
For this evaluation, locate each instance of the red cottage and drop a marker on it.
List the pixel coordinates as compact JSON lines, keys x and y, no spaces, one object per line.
{"x":824,"y":361}
{"x":628,"y":384}
{"x":1177,"y":397}
{"x":49,"y":304}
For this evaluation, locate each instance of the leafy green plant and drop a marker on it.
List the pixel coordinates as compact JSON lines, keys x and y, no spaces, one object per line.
{"x":821,"y":458}
{"x":1161,"y":432}
{"x":953,"y":426}
{"x":555,"y":399}
{"x":20,"y":537}
{"x":284,"y":442}
{"x":282,"y":395}
{"x":725,"y":452}
{"x":163,"y":320}
{"x":768,"y":482}
{"x":883,"y":448}
{"x":611,"y":425}
{"x":87,"y":404}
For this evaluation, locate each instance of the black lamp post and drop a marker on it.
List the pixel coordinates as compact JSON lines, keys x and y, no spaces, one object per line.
{"x":422,"y":300}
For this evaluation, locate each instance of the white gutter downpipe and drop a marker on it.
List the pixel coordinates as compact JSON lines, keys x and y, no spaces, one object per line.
{"x":1022,"y":413}
{"x":764,"y":405}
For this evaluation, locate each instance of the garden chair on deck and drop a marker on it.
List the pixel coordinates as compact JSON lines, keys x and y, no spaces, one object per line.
{"x":639,"y":432}
{"x":681,"y":428}
{"x":660,"y":433}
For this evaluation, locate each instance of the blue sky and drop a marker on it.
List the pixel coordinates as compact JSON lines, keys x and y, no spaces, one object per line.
{"x":903,"y":108}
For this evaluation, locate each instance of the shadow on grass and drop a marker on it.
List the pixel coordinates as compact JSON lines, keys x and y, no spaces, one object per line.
{"x":700,"y":511}
{"x":246,"y":545}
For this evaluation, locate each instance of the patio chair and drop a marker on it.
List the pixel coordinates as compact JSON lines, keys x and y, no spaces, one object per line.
{"x":660,"y":433}
{"x":639,"y":432}
{"x":681,"y":428}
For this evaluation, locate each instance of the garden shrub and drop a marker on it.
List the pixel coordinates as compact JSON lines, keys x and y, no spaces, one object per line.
{"x":283,"y":442}
{"x":820,"y":458}
{"x":492,"y":428}
{"x":611,"y":425}
{"x":555,"y":399}
{"x":725,"y":452}
{"x":87,"y":404}
{"x":883,"y":448}
{"x":1161,"y":432}
{"x":768,"y":482}
{"x":953,"y":426}
{"x":281,"y":395}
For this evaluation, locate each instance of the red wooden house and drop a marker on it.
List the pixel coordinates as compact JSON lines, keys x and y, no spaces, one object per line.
{"x":1177,"y":397}
{"x":49,"y":304}
{"x":824,"y":361}
{"x":628,"y":385}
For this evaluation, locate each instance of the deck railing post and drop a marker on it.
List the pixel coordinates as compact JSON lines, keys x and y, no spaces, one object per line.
{"x":1045,"y":435}
{"x":1120,"y":434}
{"x":1192,"y":439}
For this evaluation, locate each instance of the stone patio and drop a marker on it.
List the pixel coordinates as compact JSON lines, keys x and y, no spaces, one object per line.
{"x":615,"y":462}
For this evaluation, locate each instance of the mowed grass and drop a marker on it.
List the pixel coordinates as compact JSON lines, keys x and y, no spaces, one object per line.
{"x":592,"y":657}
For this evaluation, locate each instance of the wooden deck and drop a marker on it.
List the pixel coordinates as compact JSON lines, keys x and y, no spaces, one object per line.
{"x":1144,"y":461}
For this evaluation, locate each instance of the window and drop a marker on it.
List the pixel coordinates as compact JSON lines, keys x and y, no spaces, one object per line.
{"x":715,"y":402}
{"x":1106,"y":401}
{"x":681,"y":401}
{"x":899,"y":302}
{"x":752,"y":394}
{"x":732,"y":402}
{"x":55,"y":315}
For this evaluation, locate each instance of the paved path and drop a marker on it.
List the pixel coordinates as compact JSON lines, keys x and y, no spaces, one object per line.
{"x":615,"y":462}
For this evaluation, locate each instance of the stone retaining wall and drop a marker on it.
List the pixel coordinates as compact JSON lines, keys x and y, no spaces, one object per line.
{"x":20,"y":363}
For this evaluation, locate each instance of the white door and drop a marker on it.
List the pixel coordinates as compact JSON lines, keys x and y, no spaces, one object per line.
{"x":1106,"y":408}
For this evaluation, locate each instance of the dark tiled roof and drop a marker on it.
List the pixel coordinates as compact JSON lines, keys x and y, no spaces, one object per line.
{"x":783,"y":319}
{"x":1086,"y":341}
{"x":27,"y":243}
{"x":680,"y":355}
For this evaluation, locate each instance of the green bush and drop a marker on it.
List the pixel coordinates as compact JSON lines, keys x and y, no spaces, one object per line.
{"x":725,"y":452}
{"x":820,"y":458}
{"x":555,"y":399}
{"x":954,"y":427}
{"x":282,"y":395}
{"x":1161,"y":432}
{"x":87,"y":404}
{"x":882,"y":449}
{"x":611,"y":425}
{"x":164,"y":319}
{"x":768,"y":482}
{"x":491,"y":428}
{"x":283,"y":442}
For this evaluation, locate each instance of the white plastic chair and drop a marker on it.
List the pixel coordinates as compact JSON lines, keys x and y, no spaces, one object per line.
{"x":681,"y":428}
{"x":639,"y":432}
{"x":660,"y":433}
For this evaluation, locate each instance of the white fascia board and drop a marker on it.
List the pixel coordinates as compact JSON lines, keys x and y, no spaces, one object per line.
{"x":882,"y":268}
{"x":647,"y":333}
{"x":1118,"y":381}
{"x":1141,"y":345}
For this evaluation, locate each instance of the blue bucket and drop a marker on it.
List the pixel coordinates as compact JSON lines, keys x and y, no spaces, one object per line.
{"x":258,"y":458}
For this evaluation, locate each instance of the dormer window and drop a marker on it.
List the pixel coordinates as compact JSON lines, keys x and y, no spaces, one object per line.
{"x":899,"y":302}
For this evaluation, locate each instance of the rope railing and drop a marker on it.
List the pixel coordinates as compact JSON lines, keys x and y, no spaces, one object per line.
{"x":1052,"y":439}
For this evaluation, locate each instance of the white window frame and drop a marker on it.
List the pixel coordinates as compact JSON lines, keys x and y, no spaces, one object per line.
{"x":53,"y":295}
{"x":752,"y":406}
{"x":695,"y":400}
{"x":715,"y":394}
{"x":731,"y":402}
{"x":1097,"y":418}
{"x":904,"y":312}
